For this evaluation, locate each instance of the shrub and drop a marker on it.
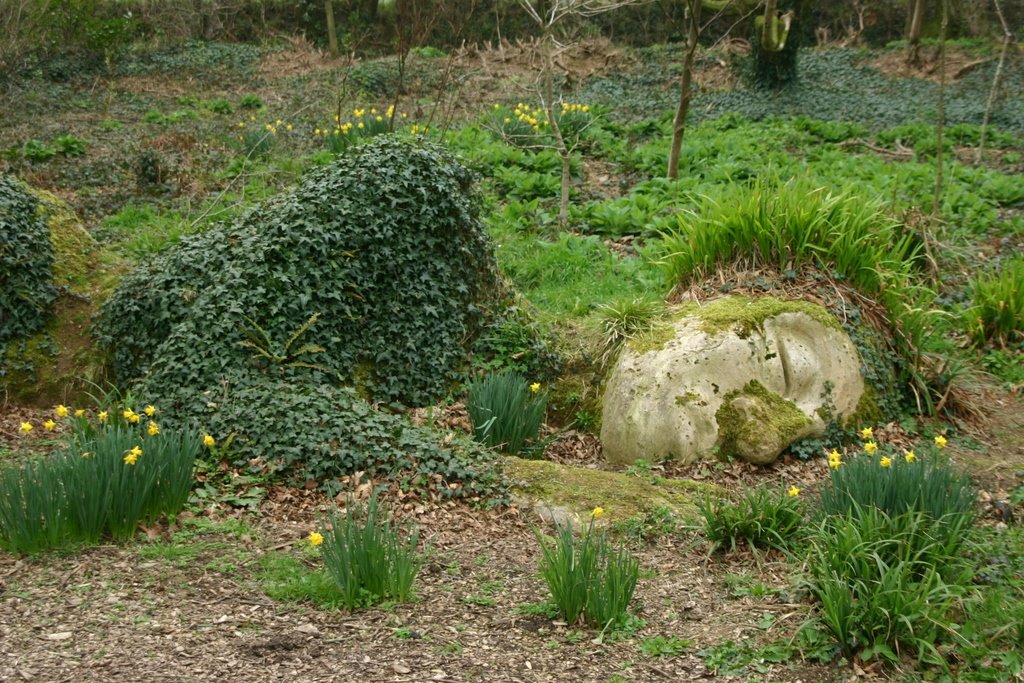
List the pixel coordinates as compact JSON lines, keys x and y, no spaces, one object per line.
{"x":885,"y":584}
{"x":26,"y":264}
{"x":385,"y":244}
{"x":506,"y":412}
{"x":110,"y":475}
{"x":70,"y":146}
{"x":997,"y":314}
{"x":37,"y":150}
{"x":763,"y":517}
{"x":366,"y":556}
{"x":587,"y":577}
{"x":319,"y":433}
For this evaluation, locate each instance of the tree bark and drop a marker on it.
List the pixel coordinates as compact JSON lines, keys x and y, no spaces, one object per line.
{"x":332,"y":33}
{"x":941,"y":109}
{"x":914,"y":35}
{"x":1007,"y":38}
{"x":685,"y":82}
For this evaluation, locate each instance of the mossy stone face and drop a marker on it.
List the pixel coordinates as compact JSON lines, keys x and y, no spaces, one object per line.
{"x":662,"y":402}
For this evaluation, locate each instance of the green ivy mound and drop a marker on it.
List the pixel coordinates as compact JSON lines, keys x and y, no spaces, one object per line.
{"x":310,"y":432}
{"x":385,"y":245}
{"x":26,"y":264}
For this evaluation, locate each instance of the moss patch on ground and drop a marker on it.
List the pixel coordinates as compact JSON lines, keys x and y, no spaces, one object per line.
{"x":579,"y":490}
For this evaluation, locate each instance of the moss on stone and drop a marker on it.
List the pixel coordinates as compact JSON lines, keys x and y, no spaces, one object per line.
{"x":653,"y":339}
{"x":74,"y":248}
{"x":867,"y":412}
{"x":690,"y":397}
{"x":773,"y":418}
{"x":746,"y":315}
{"x":580,"y":490}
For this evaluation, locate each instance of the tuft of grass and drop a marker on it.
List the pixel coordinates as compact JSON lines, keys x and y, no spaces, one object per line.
{"x":506,"y":411}
{"x":788,"y":226}
{"x":660,"y":646}
{"x":589,"y":580}
{"x":624,"y":320}
{"x":762,"y":517}
{"x":287,"y":579}
{"x":997,"y":314}
{"x":367,"y":557}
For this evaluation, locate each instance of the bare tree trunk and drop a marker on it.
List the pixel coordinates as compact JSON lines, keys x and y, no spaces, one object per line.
{"x":685,"y":81}
{"x":332,"y":33}
{"x":549,"y":110}
{"x":941,"y":109}
{"x":1007,"y":38}
{"x":914,"y":35}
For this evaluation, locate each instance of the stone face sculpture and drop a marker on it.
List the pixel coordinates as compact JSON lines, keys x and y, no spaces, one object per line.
{"x":734,"y":377}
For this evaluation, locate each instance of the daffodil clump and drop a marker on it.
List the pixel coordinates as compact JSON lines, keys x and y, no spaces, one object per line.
{"x":526,"y":125}
{"x":367,"y":555}
{"x":885,"y":561}
{"x":897,"y":480}
{"x":254,"y":138}
{"x":348,"y":129}
{"x":115,"y":468}
{"x":590,"y":580}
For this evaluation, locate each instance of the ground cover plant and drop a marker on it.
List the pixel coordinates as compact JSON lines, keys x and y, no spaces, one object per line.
{"x":825,"y":187}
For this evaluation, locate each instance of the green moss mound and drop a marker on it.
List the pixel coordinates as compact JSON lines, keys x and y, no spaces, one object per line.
{"x":385,"y":245}
{"x":51,"y":364}
{"x":580,"y":490}
{"x":26,"y":264}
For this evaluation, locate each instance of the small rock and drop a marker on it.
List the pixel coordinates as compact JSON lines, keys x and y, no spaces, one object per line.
{"x":308,"y":629}
{"x":401,"y":668}
{"x":60,"y":635}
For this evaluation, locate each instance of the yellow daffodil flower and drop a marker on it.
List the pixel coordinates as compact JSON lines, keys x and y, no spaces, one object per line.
{"x":909,"y":456}
{"x":49,"y":425}
{"x":793,"y":491}
{"x":61,"y":411}
{"x":208,"y":441}
{"x":885,"y":462}
{"x":315,"y":538}
{"x":535,"y":387}
{"x":866,"y":433}
{"x":132,"y":456}
{"x":152,"y":429}
{"x":26,"y":427}
{"x":102,"y":416}
{"x":870,"y":447}
{"x":597,"y":512}
{"x":80,"y":412}
{"x":940,"y":441}
{"x":150,"y":411}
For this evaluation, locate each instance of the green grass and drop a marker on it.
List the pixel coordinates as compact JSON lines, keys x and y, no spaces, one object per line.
{"x":141,"y":230}
{"x":569,"y":275}
{"x":286,"y":578}
{"x":997,"y":312}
